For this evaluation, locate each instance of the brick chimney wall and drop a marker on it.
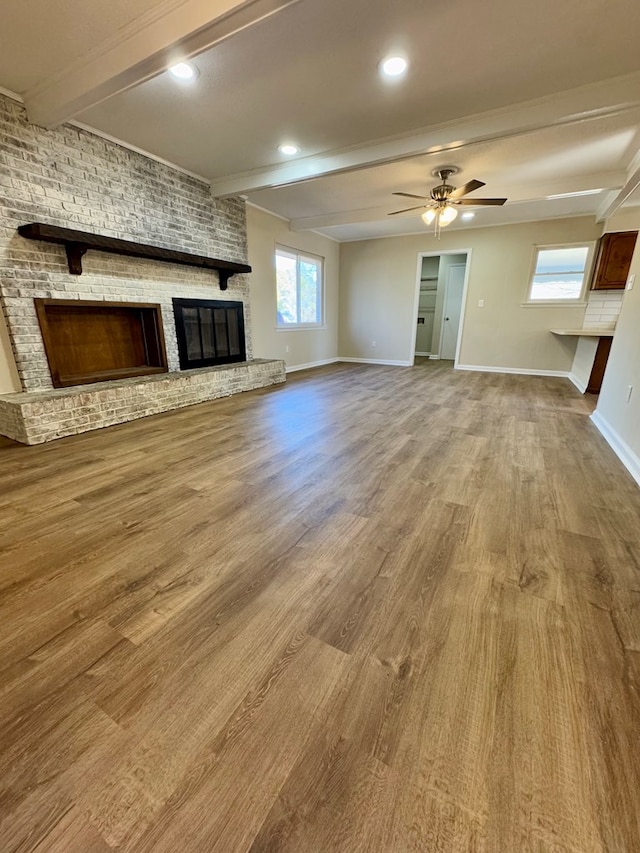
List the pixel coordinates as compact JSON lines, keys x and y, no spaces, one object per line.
{"x":75,"y":179}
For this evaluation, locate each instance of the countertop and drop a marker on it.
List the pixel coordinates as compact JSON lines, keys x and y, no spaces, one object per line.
{"x":585,"y":333}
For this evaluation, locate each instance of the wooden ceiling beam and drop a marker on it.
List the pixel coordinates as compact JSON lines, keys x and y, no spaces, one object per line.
{"x":613,"y":203}
{"x":582,"y":105}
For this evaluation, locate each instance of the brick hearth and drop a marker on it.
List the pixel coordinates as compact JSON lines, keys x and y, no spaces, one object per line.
{"x":39,"y":416}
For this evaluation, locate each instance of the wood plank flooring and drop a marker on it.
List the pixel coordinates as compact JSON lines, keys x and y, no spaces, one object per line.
{"x":377,"y":609}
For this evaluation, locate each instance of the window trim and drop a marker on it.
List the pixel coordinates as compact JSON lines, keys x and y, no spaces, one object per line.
{"x":581,"y":300}
{"x":300,"y":253}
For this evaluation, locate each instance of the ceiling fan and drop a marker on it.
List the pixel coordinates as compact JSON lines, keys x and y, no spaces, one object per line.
{"x":439,"y":204}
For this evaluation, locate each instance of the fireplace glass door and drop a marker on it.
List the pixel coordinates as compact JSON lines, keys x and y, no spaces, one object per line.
{"x":209,"y":332}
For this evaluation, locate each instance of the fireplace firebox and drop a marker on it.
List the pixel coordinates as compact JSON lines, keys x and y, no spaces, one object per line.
{"x":88,"y":341}
{"x":209,"y":332}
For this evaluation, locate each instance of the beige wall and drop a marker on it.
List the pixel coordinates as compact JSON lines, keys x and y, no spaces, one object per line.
{"x":623,"y":368}
{"x":306,"y":346}
{"x":9,"y":379}
{"x":378,"y":285}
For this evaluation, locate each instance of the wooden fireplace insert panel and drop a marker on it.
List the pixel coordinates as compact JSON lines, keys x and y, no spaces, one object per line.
{"x":88,"y":341}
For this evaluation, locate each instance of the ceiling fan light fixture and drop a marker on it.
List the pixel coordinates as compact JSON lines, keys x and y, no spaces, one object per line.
{"x":447,"y":215}
{"x":441,"y":205}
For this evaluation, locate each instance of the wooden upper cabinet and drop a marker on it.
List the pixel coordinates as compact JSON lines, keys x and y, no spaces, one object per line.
{"x":613,"y":261}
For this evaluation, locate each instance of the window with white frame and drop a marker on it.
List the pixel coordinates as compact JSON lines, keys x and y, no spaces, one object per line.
{"x":559,"y":273}
{"x":299,"y":288}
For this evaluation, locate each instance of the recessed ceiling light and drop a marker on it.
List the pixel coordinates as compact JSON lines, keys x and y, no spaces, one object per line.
{"x":468,"y":215}
{"x":393,"y":66}
{"x":184,"y":71}
{"x":288,"y":149}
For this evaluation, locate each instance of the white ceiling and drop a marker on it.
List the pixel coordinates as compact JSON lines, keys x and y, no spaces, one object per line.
{"x":533,"y":99}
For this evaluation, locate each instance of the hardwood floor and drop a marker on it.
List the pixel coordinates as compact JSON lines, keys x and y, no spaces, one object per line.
{"x":377,"y":609}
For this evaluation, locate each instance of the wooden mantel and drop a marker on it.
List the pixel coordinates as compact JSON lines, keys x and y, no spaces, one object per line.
{"x":76,"y":243}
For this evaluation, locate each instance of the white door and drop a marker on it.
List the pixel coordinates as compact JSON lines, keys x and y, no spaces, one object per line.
{"x":452,"y":310}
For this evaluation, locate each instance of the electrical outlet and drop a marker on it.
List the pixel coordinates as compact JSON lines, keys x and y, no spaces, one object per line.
{"x":629,"y":392}
{"x":373,"y":344}
{"x":286,"y":349}
{"x":480,"y":303}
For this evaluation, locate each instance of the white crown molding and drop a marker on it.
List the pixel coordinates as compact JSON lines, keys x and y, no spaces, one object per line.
{"x":171,"y":31}
{"x":594,"y":101}
{"x":267,"y":211}
{"x":468,"y":227}
{"x":324,"y":236}
{"x":148,"y":154}
{"x":13,"y":95}
{"x":288,"y":221}
{"x":343,"y":217}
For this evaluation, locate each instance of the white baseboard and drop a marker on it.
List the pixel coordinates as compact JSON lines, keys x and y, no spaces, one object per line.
{"x":376,"y":361}
{"x":625,"y":454}
{"x":524,"y":371}
{"x":294,"y":367}
{"x":423,"y":354}
{"x":521,"y":371}
{"x":579,"y":383}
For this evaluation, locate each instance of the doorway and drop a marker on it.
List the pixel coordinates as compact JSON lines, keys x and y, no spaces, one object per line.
{"x":441,"y":288}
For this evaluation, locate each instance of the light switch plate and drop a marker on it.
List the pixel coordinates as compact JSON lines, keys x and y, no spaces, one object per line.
{"x":630,"y":281}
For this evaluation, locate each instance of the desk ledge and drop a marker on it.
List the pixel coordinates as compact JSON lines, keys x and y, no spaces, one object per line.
{"x":585,"y":333}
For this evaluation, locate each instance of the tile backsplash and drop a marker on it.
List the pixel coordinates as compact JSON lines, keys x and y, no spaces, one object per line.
{"x":603,"y":309}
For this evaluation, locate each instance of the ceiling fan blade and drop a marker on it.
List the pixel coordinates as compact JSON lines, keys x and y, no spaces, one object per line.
{"x":407,"y":209}
{"x":411,"y":195}
{"x":467,"y":188}
{"x":481,"y":202}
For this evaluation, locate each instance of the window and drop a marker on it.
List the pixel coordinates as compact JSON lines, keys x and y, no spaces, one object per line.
{"x":559,"y":273}
{"x":299,"y":289}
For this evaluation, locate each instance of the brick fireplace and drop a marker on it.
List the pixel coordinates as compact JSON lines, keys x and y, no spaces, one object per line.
{"x":73,"y":179}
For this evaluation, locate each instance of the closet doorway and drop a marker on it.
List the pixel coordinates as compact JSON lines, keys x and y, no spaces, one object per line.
{"x":441,"y":290}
